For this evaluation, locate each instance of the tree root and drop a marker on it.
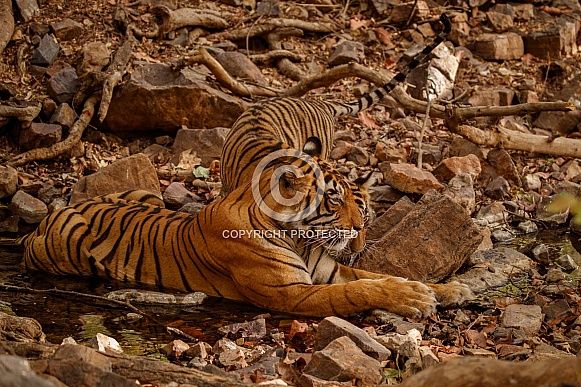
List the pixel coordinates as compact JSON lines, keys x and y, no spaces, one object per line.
{"x":186,"y":17}
{"x":67,"y":144}
{"x":6,"y":23}
{"x":271,"y":25}
{"x":114,"y":74}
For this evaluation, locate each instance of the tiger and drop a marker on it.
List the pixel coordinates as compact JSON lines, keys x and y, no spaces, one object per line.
{"x":298,"y":123}
{"x":130,"y":237}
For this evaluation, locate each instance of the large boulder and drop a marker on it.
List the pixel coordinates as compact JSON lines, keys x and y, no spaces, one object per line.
{"x":156,"y":98}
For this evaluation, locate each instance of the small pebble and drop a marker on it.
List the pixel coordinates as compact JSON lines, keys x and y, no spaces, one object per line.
{"x":567,"y":263}
{"x":528,"y":227}
{"x":501,"y":236}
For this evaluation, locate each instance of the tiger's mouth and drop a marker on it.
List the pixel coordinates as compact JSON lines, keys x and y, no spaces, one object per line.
{"x":333,"y":241}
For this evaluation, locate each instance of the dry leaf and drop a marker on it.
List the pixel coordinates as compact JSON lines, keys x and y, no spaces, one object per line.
{"x":368,"y":121}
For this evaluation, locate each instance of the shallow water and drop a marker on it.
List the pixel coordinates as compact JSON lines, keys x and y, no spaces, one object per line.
{"x":80,"y":318}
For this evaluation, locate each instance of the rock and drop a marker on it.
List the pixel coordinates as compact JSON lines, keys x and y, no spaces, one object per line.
{"x":557,"y":309}
{"x":493,"y":268}
{"x":62,"y":86}
{"x":232,"y":359}
{"x":197,"y":362}
{"x":268,"y":8}
{"x":540,"y":253}
{"x":358,"y":155}
{"x":501,"y":236}
{"x":342,"y":361}
{"x":56,"y":204}
{"x":491,"y":215}
{"x":133,"y":172}
{"x":8,"y":222}
{"x":28,"y":9}
{"x":341,"y":149}
{"x":15,"y":371}
{"x":428,"y":357}
{"x":554,"y":275}
{"x":500,"y":22}
{"x":543,"y":352}
{"x":454,"y":166}
{"x":505,"y":46}
{"x":253,"y":329}
{"x":527,"y":318}
{"x":72,"y":372}
{"x":199,"y":350}
{"x":188,"y":100}
{"x":67,"y":29}
{"x":551,"y":217}
{"x":239,"y":66}
{"x":571,"y":169}
{"x":147,"y":297}
{"x":569,"y":187}
{"x":478,"y":352}
{"x":27,"y":207}
{"x":384,"y":194}
{"x":532,"y":182}
{"x":105,"y":344}
{"x":333,"y":327}
{"x":498,"y":188}
{"x":404,"y":252}
{"x":505,"y":167}
{"x":21,"y":329}
{"x":403,"y":345}
{"x":48,"y":193}
{"x":345,"y":52}
{"x":223,"y":345}
{"x":344,"y":135}
{"x":486,"y":243}
{"x":389,"y":219}
{"x":461,"y":191}
{"x":177,"y":195}
{"x":559,"y":123}
{"x":8,"y":181}
{"x":64,"y":116}
{"x":39,"y":135}
{"x":94,"y":57}
{"x":556,"y":42}
{"x":527,"y":227}
{"x":409,"y":178}
{"x":84,"y":354}
{"x":175,"y":349}
{"x":492,"y":97}
{"x":46,"y":52}
{"x":401,"y":11}
{"x":567,"y":263}
{"x":391,"y":152}
{"x":192,"y":208}
{"x":460,"y":147}
{"x":206,"y":143}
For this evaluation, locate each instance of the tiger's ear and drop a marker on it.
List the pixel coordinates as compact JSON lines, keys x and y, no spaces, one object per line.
{"x":313,"y":147}
{"x":366,"y":181}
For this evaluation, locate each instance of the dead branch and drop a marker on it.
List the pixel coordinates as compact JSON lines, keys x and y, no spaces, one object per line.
{"x":274,"y":55}
{"x":115,"y":73}
{"x":22,"y":113}
{"x":186,"y":17}
{"x":124,"y":304}
{"x":335,"y":74}
{"x":272,"y":24}
{"x":511,"y":139}
{"x":203,"y":57}
{"x":59,"y":148}
{"x":6,"y":23}
{"x":284,"y":65}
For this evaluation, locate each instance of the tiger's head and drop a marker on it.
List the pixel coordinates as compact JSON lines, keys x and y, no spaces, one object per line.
{"x":311,"y":199}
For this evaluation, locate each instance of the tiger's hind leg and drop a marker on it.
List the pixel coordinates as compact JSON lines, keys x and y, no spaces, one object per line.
{"x":61,"y":245}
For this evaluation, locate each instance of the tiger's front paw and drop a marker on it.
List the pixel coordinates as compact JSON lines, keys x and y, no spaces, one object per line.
{"x":452,"y":294}
{"x":410,"y":299}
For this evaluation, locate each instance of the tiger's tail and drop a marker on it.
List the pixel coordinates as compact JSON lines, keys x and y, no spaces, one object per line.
{"x":378,"y":94}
